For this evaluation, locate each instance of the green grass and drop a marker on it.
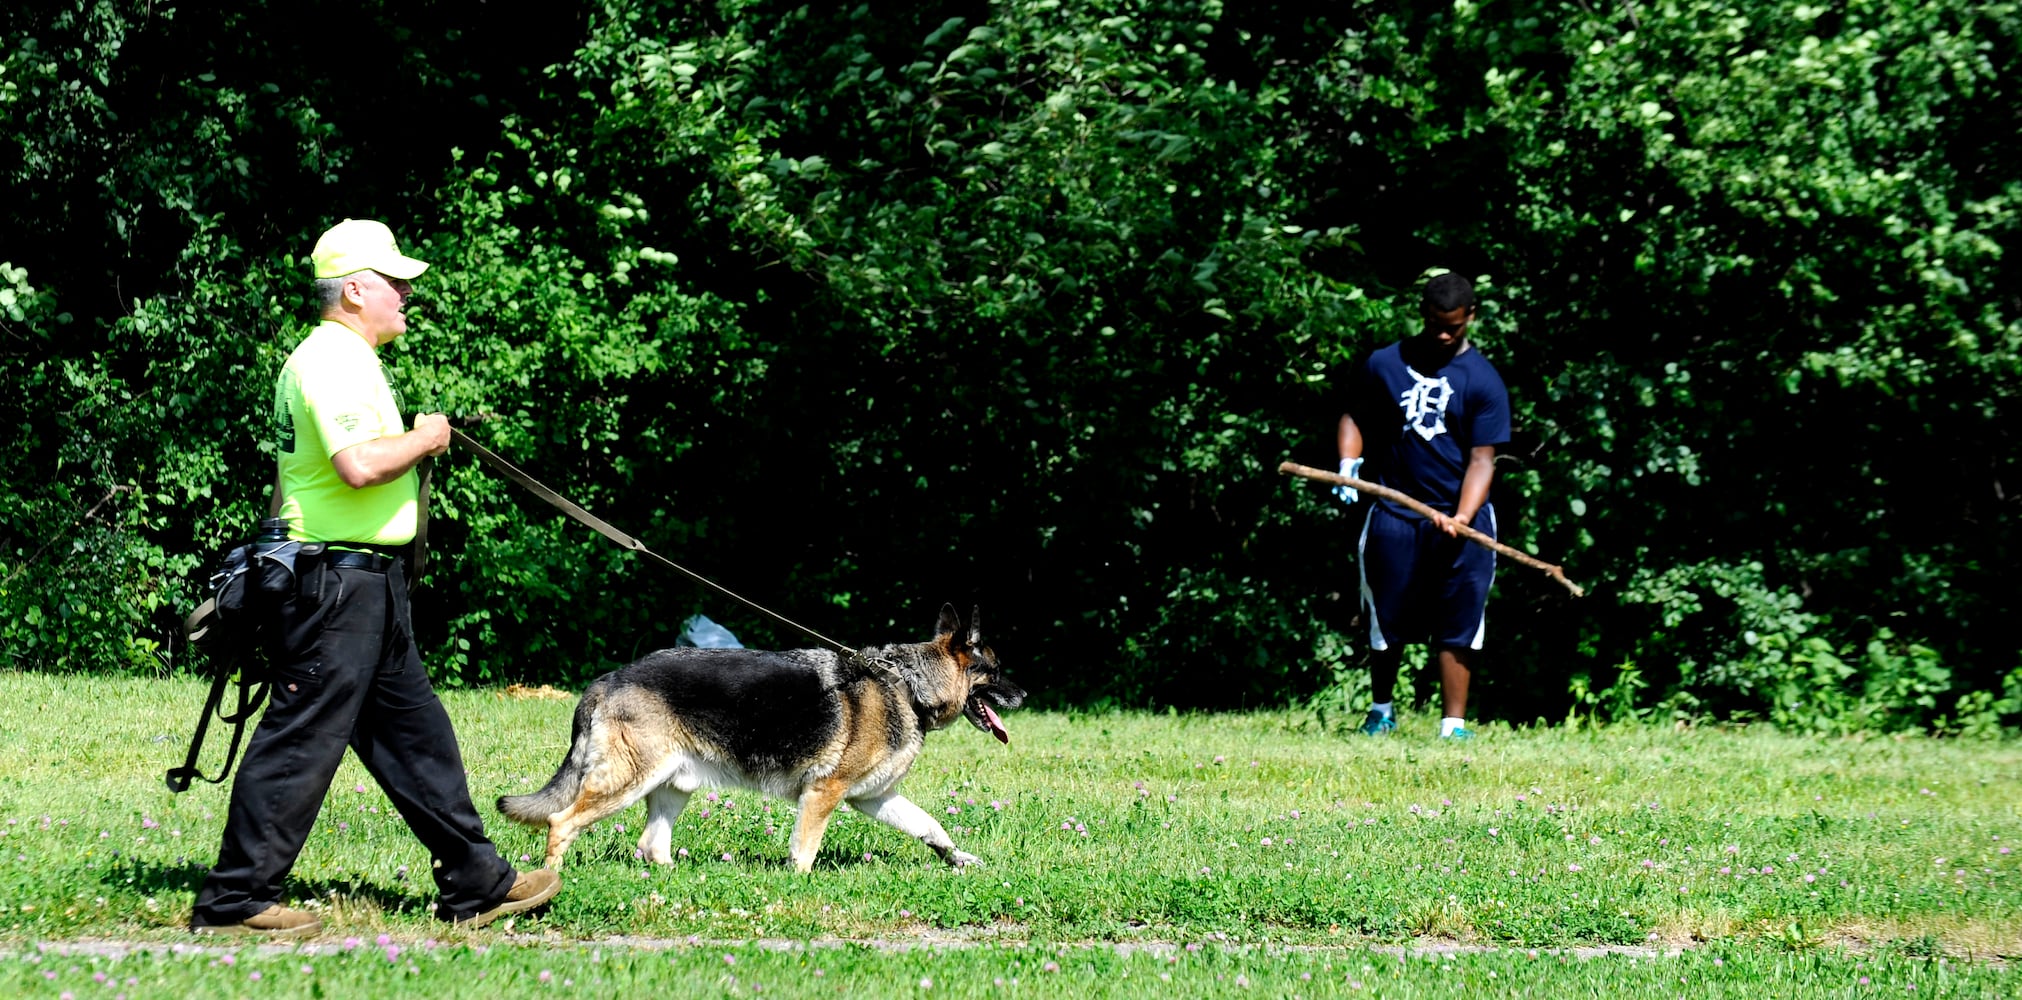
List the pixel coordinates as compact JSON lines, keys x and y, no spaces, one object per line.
{"x":487,"y":972}
{"x":1247,"y":845}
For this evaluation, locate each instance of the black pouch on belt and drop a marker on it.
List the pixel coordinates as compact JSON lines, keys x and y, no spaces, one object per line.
{"x":271,"y":566}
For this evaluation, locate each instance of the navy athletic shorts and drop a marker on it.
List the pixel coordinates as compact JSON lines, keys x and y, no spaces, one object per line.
{"x":1420,"y":585}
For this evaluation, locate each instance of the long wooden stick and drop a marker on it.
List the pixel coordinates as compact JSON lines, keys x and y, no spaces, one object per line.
{"x":1556,"y":573}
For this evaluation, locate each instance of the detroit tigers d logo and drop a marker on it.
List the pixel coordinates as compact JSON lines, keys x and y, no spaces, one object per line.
{"x":1425,"y":404}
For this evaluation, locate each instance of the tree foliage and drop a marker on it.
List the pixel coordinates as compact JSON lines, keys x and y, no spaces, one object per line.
{"x":1020,"y":305}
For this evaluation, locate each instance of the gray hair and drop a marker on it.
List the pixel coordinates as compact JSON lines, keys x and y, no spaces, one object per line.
{"x":329,"y":292}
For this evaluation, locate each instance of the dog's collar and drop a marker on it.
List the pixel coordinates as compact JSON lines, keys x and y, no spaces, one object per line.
{"x":877,"y":666}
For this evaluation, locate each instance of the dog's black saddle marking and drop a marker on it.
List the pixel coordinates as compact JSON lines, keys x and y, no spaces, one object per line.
{"x":760,"y":705}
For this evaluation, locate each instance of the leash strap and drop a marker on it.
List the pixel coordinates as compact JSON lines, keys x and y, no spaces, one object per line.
{"x":419,"y":547}
{"x":251,"y":694}
{"x":597,"y":524}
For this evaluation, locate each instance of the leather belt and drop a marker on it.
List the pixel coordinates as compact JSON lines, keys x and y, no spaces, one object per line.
{"x":346,"y":559}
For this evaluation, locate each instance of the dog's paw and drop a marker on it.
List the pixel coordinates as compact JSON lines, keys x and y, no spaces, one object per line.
{"x":963,"y":859}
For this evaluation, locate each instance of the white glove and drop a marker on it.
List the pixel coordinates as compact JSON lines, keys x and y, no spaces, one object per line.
{"x":1352,"y":468}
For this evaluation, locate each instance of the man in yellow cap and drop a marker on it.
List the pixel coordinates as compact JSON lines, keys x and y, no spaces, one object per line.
{"x":345,"y":668}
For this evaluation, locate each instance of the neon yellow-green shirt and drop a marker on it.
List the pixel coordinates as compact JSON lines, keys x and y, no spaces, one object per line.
{"x":333,"y":394}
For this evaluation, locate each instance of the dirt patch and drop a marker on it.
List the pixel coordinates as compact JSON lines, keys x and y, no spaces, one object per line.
{"x":929,"y":941}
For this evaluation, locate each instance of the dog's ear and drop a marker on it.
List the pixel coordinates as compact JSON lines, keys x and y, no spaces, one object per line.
{"x":950,"y":622}
{"x":975,"y":627}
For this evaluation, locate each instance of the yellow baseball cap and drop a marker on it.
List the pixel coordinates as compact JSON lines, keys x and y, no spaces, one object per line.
{"x":356,"y":245}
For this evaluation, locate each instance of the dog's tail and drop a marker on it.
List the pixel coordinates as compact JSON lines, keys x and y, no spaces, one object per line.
{"x":534,"y":808}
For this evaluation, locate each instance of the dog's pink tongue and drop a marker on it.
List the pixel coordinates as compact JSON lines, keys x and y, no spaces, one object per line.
{"x":996,"y":724}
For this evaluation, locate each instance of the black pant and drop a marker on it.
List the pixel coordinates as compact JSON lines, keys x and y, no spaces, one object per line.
{"x":345,"y":672}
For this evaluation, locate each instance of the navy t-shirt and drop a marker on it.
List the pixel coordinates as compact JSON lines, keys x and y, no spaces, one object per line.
{"x":1418,"y":427}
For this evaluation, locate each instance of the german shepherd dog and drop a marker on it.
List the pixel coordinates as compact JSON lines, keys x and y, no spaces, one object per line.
{"x":810,"y":725}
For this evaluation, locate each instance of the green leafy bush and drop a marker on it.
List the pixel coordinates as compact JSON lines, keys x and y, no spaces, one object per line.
{"x":862,"y":311}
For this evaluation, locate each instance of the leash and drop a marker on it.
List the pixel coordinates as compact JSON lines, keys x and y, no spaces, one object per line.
{"x":253,"y":691}
{"x":251,"y":694}
{"x":602,"y":527}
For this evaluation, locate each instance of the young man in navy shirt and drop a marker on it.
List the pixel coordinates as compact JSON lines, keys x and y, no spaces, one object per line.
{"x":1425,"y":415}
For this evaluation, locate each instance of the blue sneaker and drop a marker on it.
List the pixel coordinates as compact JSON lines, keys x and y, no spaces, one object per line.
{"x":1459,"y":734}
{"x":1378,"y":724}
